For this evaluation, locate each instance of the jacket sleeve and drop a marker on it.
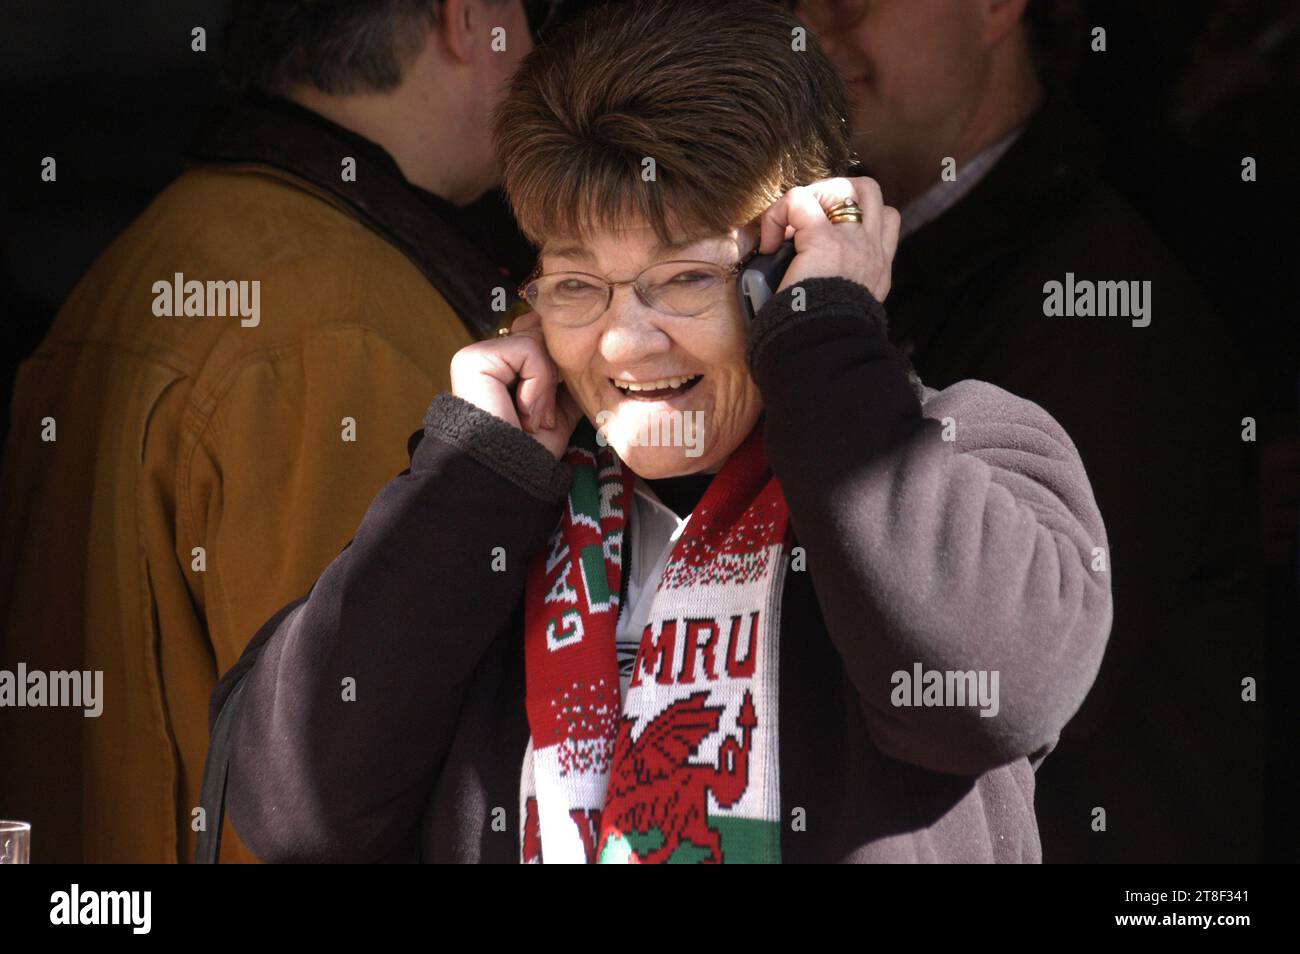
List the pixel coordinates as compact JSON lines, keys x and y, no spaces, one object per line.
{"x":353,"y":694}
{"x":960,"y":536}
{"x":281,"y":451}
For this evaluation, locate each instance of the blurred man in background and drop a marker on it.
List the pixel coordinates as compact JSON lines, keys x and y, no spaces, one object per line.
{"x":997,"y":184}
{"x":159,"y":472}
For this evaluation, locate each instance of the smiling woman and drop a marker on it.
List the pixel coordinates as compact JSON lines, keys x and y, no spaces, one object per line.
{"x":714,"y":679}
{"x":639,"y":353}
{"x":574,"y":136}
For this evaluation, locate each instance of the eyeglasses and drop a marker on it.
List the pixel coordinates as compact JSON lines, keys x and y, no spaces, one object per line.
{"x":832,"y":14}
{"x":680,"y":288}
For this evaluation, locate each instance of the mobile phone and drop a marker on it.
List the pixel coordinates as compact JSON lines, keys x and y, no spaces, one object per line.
{"x":761,"y":277}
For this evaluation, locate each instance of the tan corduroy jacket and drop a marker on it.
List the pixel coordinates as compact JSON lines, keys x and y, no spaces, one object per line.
{"x":171,"y":481}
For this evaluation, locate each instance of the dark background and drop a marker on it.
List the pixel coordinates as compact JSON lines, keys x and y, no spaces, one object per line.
{"x":1186,"y":88}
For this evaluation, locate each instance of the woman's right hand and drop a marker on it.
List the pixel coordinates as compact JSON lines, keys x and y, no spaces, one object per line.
{"x":484,"y":372}
{"x":862,"y":252}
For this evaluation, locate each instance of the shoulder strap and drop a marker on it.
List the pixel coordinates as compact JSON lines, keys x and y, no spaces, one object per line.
{"x":212,"y":796}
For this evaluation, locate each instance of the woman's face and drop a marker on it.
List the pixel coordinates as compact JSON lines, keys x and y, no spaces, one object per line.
{"x":701,"y":402}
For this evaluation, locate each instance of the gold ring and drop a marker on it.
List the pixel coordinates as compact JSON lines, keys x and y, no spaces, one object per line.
{"x":846,"y":211}
{"x":503,"y":332}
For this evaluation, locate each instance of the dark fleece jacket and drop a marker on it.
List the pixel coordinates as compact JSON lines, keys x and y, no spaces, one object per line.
{"x":952,"y":529}
{"x":1165,"y":742}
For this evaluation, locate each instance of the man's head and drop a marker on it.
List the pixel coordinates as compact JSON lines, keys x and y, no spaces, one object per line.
{"x":420,"y":77}
{"x":645,"y":134}
{"x":927,"y":79}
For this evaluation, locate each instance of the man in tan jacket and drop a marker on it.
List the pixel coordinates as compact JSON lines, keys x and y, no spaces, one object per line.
{"x":286,"y":309}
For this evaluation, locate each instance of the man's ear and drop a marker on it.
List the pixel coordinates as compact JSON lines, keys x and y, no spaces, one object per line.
{"x":458,"y":26}
{"x":1000,"y":17}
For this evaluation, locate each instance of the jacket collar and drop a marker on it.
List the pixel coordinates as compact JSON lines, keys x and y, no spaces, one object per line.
{"x":1045,"y":174}
{"x":294,"y":140}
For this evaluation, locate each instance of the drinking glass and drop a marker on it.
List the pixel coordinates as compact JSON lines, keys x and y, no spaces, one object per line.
{"x":15,"y":843}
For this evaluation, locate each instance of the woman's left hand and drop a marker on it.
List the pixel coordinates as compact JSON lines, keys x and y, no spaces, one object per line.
{"x":860,"y":251}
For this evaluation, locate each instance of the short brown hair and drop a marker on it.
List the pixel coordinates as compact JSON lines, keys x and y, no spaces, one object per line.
{"x":716,"y":93}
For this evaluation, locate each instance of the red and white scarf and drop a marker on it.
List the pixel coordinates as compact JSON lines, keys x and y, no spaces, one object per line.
{"x":685,"y":770}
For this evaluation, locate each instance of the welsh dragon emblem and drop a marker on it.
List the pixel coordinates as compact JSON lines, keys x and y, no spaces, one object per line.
{"x":653,"y":785}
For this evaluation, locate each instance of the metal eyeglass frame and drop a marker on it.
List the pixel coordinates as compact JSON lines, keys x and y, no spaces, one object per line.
{"x":729,"y":272}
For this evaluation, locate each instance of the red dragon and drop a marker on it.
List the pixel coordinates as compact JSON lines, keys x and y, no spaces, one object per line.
{"x":652,"y":785}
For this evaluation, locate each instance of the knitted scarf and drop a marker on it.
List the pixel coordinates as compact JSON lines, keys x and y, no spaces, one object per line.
{"x":685,"y":769}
